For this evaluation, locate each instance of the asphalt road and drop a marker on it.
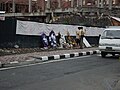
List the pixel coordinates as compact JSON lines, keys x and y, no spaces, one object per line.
{"x":83,"y":73}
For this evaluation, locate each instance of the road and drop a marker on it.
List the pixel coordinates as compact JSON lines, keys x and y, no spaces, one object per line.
{"x":81,"y":73}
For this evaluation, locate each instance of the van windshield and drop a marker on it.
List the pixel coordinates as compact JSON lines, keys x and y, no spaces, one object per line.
{"x":111,"y":34}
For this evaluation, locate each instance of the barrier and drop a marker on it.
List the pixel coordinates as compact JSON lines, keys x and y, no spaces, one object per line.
{"x":9,"y":38}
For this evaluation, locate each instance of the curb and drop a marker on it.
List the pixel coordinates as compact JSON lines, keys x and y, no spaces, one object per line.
{"x":47,"y":58}
{"x":54,"y":57}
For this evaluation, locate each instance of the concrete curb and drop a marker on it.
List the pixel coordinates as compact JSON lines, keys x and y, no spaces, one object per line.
{"x":54,"y":57}
{"x":47,"y":58}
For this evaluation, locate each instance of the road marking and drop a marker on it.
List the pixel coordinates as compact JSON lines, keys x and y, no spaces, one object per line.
{"x":51,"y":61}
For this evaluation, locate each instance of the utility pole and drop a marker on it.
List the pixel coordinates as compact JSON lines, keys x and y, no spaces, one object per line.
{"x":72,"y":1}
{"x":98,"y":3}
{"x":81,"y":3}
{"x":102,"y":4}
{"x":13,"y":6}
{"x":48,"y":4}
{"x":59,"y":5}
{"x":30,"y":4}
{"x":110,"y":4}
{"x":77,"y":3}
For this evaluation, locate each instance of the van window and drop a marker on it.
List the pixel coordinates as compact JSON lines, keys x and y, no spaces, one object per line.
{"x":111,"y":34}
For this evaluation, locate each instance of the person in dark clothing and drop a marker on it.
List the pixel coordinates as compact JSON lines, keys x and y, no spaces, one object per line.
{"x":44,"y":40}
{"x":58,"y":38}
{"x":52,"y":39}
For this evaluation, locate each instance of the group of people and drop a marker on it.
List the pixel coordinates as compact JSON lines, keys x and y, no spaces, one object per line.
{"x":49,"y":42}
{"x":62,"y":41}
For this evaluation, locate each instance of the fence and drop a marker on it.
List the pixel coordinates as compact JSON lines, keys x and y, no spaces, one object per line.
{"x":9,"y":38}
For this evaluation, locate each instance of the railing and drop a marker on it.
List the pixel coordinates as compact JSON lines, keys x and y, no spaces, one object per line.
{"x":23,"y":14}
{"x":81,"y":9}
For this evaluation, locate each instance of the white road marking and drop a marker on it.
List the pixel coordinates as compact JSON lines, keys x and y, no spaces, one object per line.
{"x":51,"y":61}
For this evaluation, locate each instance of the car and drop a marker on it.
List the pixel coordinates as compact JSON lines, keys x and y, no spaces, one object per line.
{"x":109,"y":42}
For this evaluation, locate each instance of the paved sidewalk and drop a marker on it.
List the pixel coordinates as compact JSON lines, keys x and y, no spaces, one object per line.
{"x":46,"y":55}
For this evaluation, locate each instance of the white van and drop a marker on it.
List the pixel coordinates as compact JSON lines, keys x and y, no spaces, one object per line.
{"x":109,"y":42}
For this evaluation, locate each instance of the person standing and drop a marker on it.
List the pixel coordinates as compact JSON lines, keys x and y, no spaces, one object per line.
{"x":78,"y":34}
{"x":44,"y":41}
{"x":52,"y":39}
{"x":58,"y":38}
{"x":79,"y":37}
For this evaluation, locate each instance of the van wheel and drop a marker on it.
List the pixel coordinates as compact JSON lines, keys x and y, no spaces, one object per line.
{"x":103,"y":54}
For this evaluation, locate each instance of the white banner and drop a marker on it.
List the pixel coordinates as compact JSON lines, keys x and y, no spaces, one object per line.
{"x":34,"y":28}
{"x":30,"y":28}
{"x":62,"y":29}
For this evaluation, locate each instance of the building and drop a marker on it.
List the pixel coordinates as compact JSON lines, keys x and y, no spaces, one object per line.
{"x":18,"y":5}
{"x":39,"y":7}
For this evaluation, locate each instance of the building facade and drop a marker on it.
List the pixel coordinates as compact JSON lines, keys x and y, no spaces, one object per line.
{"x":38,"y":6}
